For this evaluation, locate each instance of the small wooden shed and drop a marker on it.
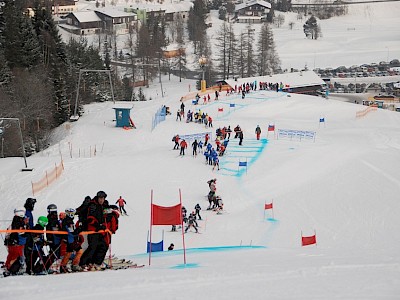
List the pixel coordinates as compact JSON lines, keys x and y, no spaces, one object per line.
{"x":123,"y":115}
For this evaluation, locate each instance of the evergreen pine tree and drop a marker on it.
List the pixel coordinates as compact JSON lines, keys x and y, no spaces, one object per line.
{"x":55,"y":59}
{"x":21,"y":46}
{"x":250,"y":59}
{"x":222,"y":45}
{"x":268,"y":61}
{"x":197,"y":23}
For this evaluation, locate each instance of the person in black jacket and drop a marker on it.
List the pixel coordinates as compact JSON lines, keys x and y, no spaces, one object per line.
{"x":191,"y":223}
{"x":93,"y":256}
{"x":198,"y":208}
{"x":34,"y":254}
{"x":240,"y":136}
{"x":53,"y":240}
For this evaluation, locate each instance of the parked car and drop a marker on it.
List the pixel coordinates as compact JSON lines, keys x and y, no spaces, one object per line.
{"x":395,"y":63}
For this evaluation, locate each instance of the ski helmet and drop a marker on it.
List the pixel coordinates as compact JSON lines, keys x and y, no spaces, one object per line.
{"x":19,"y":212}
{"x":101,"y":194}
{"x":43,"y":221}
{"x":70,"y":212}
{"x":30,"y":203}
{"x":52,"y":208}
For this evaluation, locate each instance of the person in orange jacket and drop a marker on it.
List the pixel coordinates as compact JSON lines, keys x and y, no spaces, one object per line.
{"x":183,"y":147}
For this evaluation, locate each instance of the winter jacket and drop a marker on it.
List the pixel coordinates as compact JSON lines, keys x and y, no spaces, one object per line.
{"x":53,"y":225}
{"x":17,"y":238}
{"x":95,"y":217}
{"x":29,"y":215}
{"x":183,"y":144}
{"x":120,"y":202}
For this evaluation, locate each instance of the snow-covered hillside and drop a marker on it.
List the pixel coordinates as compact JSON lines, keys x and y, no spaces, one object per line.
{"x":344,"y":186}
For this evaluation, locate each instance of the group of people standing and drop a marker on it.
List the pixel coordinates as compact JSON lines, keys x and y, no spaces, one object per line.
{"x":190,"y":221}
{"x":58,"y":237}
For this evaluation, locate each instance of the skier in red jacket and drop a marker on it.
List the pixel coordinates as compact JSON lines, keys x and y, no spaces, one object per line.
{"x":121,"y":203}
{"x":183,"y":147}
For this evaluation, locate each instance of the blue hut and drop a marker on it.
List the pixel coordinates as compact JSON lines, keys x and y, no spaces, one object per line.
{"x":123,"y":115}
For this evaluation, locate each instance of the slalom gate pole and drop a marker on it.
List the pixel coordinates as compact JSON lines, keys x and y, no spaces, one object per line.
{"x":265,"y":202}
{"x":183,"y":234}
{"x":110,"y":256}
{"x":151,"y":224}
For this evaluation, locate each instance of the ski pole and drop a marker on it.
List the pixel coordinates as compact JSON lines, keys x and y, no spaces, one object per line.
{"x":130,"y":208}
{"x":40,"y":257}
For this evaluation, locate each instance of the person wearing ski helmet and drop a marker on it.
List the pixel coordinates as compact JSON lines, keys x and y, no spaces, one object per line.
{"x":29,"y":206}
{"x":198,"y":208}
{"x":53,"y":240}
{"x":73,"y":243}
{"x":15,"y":242}
{"x":34,"y":254}
{"x":92,"y":258}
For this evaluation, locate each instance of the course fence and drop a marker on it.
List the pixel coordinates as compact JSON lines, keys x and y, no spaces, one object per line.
{"x":364,"y":112}
{"x":196,"y":136}
{"x":77,"y":152}
{"x":49,"y":178}
{"x":298,"y":134}
{"x":159,"y":117}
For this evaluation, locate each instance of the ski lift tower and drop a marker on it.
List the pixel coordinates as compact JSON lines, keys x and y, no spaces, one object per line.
{"x":75,"y":117}
{"x":2,"y":131}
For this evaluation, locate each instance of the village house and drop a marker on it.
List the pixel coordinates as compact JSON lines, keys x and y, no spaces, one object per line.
{"x":84,"y":22}
{"x":253,"y":11}
{"x":108,"y":20}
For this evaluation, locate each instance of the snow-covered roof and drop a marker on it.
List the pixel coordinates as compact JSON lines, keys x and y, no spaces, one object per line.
{"x":86,"y":16}
{"x":294,"y":80}
{"x":252,"y":2}
{"x":177,"y":7}
{"x":114,"y":12}
{"x":123,"y":105}
{"x":167,"y":7}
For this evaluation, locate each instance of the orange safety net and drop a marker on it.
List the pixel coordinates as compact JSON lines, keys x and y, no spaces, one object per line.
{"x":362,"y":113}
{"x":49,"y":178}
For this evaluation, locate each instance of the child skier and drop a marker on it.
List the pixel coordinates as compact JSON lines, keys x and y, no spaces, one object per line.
{"x":191,"y":223}
{"x":197,"y":208}
{"x":73,"y":243}
{"x":34,"y":249}
{"x":15,"y":243}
